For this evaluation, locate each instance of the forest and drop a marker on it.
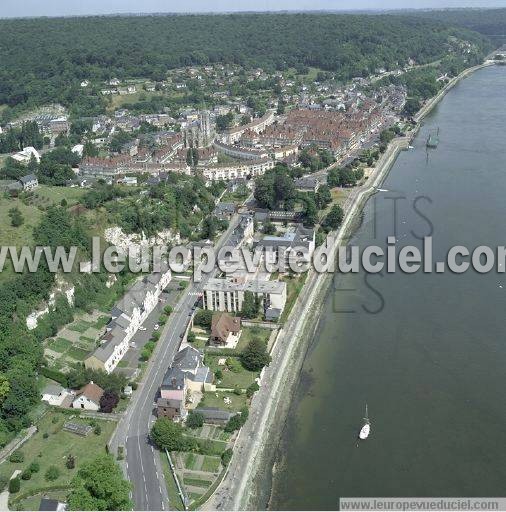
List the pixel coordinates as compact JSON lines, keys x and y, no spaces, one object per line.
{"x":490,"y":22}
{"x":44,"y":60}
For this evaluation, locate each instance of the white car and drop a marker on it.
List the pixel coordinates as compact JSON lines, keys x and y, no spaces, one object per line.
{"x":142,"y":328}
{"x":156,"y":327}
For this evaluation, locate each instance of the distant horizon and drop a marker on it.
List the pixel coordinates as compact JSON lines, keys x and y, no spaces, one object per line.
{"x":11,"y":9}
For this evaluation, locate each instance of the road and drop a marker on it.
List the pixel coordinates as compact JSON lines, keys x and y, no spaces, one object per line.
{"x":142,"y":464}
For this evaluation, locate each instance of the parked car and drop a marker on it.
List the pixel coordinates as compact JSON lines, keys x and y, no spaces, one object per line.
{"x":156,"y":327}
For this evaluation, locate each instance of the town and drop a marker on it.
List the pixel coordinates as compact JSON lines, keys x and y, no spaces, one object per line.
{"x":160,"y":368}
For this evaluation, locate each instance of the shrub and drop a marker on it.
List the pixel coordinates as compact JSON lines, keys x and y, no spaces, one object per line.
{"x":252,"y":389}
{"x":155,"y":336}
{"x":97,"y":430}
{"x":218,"y":374}
{"x":52,"y":473}
{"x":45,"y":435}
{"x":14,"y":485}
{"x":226,"y":456}
{"x":191,"y":338}
{"x":121,"y":452}
{"x":71,"y":461}
{"x":237,"y":391}
{"x":17,"y":456}
{"x":195,"y":420}
{"x":162,"y":320}
{"x":26,"y":474}
{"x":167,"y":309}
{"x":134,"y":385}
{"x":34,"y":467}
{"x":183,"y":285}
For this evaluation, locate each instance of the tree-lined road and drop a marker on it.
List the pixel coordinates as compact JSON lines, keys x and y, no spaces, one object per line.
{"x":142,"y":463}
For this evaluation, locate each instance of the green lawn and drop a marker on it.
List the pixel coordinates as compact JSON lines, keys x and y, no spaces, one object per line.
{"x":80,"y":326}
{"x":77,"y":353}
{"x":196,"y":482}
{"x":248,"y":333}
{"x":190,"y":461}
{"x":56,"y":194}
{"x":241,"y":378}
{"x":211,"y":400}
{"x":101,"y":322}
{"x":211,"y":464}
{"x":60,"y":345}
{"x":53,"y":451}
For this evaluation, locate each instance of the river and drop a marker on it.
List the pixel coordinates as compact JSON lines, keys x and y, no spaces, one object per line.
{"x":429,"y":357}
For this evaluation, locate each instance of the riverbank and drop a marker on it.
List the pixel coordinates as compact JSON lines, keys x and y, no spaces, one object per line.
{"x":427,"y":108}
{"x":257,"y":442}
{"x":426,"y":349}
{"x":267,"y":414}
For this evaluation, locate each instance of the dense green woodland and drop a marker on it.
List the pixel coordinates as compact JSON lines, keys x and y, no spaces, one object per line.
{"x":490,"y":22}
{"x":44,"y":60}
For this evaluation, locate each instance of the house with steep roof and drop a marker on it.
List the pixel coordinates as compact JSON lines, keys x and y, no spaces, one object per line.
{"x":225,"y":330}
{"x":29,"y":182}
{"x":88,"y":397}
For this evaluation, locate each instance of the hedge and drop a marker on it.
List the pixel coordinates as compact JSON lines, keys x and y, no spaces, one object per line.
{"x":55,"y":375}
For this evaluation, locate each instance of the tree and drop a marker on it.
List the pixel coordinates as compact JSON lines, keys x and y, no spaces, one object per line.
{"x":323,"y":197}
{"x":167,"y":435}
{"x":224,"y":122}
{"x":226,"y":456}
{"x":237,"y":421}
{"x":191,"y":338}
{"x":254,"y":357}
{"x":195,"y":419}
{"x":249,"y":305}
{"x":203,"y":318}
{"x":334,"y":218}
{"x":16,"y":217}
{"x":192,"y":157}
{"x":14,"y":485}
{"x":99,"y":485}
{"x":269,"y":228}
{"x":90,"y":149}
{"x":108,"y":401}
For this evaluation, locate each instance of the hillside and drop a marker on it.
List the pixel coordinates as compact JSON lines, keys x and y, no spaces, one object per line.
{"x":47,"y":58}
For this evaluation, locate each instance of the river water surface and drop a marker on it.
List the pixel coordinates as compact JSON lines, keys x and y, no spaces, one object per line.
{"x":431,"y":365}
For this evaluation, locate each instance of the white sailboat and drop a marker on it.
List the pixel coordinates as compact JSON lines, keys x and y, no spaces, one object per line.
{"x":366,"y":428}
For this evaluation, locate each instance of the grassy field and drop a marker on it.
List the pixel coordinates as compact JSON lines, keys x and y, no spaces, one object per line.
{"x":32,"y":208}
{"x":54,"y":449}
{"x":237,"y":377}
{"x":215,"y":399}
{"x":127,"y":99}
{"x":211,"y":464}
